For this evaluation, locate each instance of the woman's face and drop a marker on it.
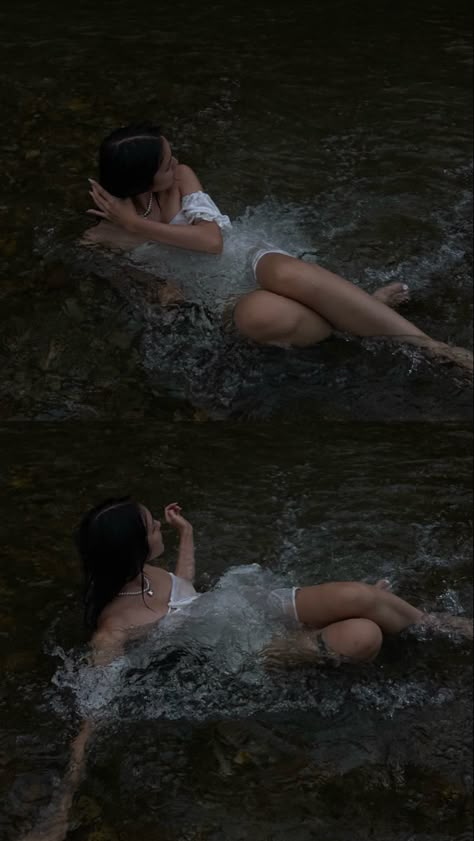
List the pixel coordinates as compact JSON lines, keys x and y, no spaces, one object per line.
{"x":164,"y":176}
{"x":153,"y":533}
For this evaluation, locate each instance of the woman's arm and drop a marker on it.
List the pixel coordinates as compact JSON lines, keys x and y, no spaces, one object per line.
{"x":200,"y":236}
{"x":185,"y":564}
{"x":55,"y":827}
{"x":106,"y":645}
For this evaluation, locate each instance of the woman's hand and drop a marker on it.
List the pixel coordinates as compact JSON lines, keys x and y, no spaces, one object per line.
{"x":173,"y":518}
{"x":185,"y":566}
{"x":118,"y":211}
{"x":55,"y":829}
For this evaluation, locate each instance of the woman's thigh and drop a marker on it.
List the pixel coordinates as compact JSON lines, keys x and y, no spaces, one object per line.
{"x":272,"y":319}
{"x":323,"y":604}
{"x":344,"y":305}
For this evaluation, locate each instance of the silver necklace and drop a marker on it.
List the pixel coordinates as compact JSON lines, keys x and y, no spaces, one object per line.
{"x":148,"y":207}
{"x":146,"y":589}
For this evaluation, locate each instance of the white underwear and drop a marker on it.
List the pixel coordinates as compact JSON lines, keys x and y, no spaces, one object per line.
{"x":199,"y":206}
{"x":282,"y":604}
{"x":256,"y":254}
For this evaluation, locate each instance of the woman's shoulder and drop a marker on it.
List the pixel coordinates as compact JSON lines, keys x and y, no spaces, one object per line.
{"x":187,"y":180}
{"x":124,"y":613}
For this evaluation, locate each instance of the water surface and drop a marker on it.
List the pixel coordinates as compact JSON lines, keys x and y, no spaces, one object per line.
{"x":344,"y":134}
{"x":341,"y":133}
{"x":189,"y":733}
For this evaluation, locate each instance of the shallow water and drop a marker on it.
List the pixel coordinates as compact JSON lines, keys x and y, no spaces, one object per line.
{"x":343,"y":134}
{"x":326,"y":130}
{"x":187,"y":730}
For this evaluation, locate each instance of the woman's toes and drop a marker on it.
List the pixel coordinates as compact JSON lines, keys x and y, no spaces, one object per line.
{"x":383,"y":584}
{"x":393,"y":294}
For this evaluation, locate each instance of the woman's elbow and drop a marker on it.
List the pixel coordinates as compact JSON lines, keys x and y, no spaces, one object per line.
{"x":216,"y":243}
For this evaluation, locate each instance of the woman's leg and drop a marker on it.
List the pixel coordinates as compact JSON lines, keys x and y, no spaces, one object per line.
{"x":274,"y":320}
{"x":348,"y":619}
{"x":343,"y":305}
{"x":324,"y":604}
{"x":358,"y":639}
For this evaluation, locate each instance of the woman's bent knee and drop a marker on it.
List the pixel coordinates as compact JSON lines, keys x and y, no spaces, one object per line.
{"x":254,"y":316}
{"x":273,"y":319}
{"x":366,"y":639}
{"x":358,"y":639}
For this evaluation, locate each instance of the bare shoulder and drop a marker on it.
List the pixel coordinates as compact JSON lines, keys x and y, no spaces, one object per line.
{"x":108,"y":642}
{"x":187,"y":179}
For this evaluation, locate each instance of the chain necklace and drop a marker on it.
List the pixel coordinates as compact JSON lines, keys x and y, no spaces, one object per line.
{"x":148,"y":207}
{"x":145,"y":589}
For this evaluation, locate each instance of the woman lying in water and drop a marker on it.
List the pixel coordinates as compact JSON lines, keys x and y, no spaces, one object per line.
{"x":145,"y":195}
{"x":125,"y":593}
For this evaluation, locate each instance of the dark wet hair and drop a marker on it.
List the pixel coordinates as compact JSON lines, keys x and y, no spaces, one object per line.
{"x":129,"y":159}
{"x":113,"y":545}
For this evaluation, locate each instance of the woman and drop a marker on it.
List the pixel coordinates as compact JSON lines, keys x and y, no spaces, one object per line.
{"x":145,"y":195}
{"x":125,"y":592}
{"x":116,"y":541}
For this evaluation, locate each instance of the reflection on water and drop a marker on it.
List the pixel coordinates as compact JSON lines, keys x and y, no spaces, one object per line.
{"x":186,"y":722}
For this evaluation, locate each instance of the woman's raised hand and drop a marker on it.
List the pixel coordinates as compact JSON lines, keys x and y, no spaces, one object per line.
{"x":118,"y":211}
{"x":174,"y":518}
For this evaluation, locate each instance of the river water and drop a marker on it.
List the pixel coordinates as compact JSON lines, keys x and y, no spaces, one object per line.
{"x":344,"y":133}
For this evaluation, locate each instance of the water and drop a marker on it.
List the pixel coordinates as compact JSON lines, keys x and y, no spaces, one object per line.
{"x":349,"y":145}
{"x":195,"y":723}
{"x":342,"y":134}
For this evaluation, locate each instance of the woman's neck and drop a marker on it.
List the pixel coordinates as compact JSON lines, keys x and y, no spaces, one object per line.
{"x":142,"y":201}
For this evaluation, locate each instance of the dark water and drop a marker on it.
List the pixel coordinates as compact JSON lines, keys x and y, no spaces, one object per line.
{"x":341,"y":133}
{"x":365,"y":502}
{"x":344,"y":133}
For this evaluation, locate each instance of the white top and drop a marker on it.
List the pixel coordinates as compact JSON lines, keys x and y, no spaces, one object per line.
{"x":206,"y":279}
{"x":199,"y":207}
{"x":182,"y":593}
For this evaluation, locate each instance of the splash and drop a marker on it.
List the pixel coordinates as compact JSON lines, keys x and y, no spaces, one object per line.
{"x":190,"y":350}
{"x":214,"y":280}
{"x":205,"y":663}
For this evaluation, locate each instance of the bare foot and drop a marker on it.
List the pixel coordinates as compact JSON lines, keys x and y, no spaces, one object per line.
{"x":443,"y":353}
{"x":383,"y":584}
{"x":445,"y":622}
{"x":446,"y":353}
{"x":393,"y":294}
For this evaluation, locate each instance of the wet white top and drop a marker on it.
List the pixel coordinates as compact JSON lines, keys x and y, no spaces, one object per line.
{"x":216,"y":281}
{"x":182,"y":593}
{"x":199,"y":207}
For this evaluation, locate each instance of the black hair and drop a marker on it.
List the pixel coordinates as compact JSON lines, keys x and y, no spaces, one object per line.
{"x":129,"y":158}
{"x":113,"y":546}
